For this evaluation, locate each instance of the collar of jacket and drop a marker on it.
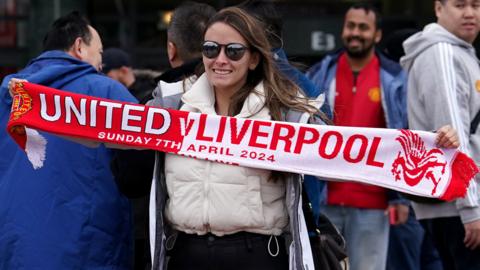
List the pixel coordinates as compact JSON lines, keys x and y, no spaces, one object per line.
{"x":179,"y":73}
{"x":201,"y":96}
{"x":60,"y":55}
{"x":386,"y":64}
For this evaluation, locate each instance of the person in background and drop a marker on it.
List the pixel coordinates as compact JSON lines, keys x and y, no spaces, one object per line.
{"x":133,"y":169}
{"x":410,"y":246}
{"x":444,"y":88}
{"x":365,"y":89}
{"x":117,"y":65}
{"x":184,"y":39}
{"x":68,"y":214}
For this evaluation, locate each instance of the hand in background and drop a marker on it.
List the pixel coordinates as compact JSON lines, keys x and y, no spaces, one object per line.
{"x":399,"y":213}
{"x":472,"y":234}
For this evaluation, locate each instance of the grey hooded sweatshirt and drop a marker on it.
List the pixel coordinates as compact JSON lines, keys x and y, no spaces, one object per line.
{"x":444,"y":88}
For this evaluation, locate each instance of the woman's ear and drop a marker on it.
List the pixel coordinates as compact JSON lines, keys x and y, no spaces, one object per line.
{"x":254,"y":60}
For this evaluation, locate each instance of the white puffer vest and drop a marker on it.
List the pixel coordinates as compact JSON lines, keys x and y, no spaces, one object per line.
{"x":222,"y":199}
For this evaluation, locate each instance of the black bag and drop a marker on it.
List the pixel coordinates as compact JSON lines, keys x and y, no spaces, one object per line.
{"x":426,"y":200}
{"x":328,"y":245}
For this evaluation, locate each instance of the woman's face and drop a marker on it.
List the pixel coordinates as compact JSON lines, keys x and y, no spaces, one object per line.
{"x":227,"y":75}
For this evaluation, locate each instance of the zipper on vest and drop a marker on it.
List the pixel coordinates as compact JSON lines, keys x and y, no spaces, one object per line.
{"x":355,"y":77}
{"x":206,"y":191}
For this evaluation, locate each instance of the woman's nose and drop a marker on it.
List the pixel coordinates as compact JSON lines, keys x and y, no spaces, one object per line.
{"x":222,"y":57}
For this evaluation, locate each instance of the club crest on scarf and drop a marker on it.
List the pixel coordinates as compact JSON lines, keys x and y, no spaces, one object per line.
{"x":416,"y":163}
{"x":21,"y":104}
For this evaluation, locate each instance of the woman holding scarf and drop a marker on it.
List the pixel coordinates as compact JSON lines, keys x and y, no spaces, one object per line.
{"x":223,"y":216}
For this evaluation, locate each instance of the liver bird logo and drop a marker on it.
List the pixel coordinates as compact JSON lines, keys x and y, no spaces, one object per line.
{"x":415,"y":163}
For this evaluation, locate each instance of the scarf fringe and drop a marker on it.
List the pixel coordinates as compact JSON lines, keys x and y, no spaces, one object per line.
{"x":463,"y":170}
{"x":35,"y":148}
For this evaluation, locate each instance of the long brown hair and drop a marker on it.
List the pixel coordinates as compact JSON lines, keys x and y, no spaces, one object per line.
{"x":280,"y":92}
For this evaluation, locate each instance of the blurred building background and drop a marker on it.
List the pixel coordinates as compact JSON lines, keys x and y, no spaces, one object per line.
{"x":311,"y":27}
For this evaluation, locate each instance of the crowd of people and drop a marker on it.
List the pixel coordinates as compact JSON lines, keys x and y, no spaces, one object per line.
{"x":186,"y":213}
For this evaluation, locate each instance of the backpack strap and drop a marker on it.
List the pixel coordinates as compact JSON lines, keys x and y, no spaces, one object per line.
{"x":475,"y":122}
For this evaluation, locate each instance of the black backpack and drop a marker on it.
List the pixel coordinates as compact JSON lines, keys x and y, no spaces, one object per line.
{"x":474,"y":124}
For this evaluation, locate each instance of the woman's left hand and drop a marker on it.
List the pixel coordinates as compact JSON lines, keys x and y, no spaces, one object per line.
{"x":12,"y":83}
{"x":447,"y":137}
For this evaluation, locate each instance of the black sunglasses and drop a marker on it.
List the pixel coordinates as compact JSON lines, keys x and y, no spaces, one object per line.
{"x":234,"y":51}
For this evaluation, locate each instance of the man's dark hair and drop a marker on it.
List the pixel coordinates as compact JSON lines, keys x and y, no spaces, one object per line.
{"x":187,"y":27}
{"x":265,"y":11}
{"x":65,"y":30}
{"x":369,"y":7}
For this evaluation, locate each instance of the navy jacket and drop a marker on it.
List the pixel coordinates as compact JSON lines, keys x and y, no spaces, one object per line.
{"x":393,"y":86}
{"x":393,"y":80}
{"x":68,"y":214}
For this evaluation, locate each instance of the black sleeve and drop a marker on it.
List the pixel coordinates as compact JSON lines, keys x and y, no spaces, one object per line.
{"x":133,"y":171}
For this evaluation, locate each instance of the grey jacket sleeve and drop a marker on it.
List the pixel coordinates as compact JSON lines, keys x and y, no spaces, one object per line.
{"x":439,"y":92}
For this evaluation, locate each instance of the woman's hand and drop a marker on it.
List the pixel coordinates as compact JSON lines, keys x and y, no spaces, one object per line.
{"x":12,"y":83}
{"x":447,"y":137}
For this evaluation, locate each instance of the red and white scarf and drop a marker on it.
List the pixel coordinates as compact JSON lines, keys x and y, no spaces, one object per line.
{"x":403,"y":160}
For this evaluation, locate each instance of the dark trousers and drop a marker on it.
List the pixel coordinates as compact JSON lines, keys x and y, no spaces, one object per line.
{"x":142,"y":255}
{"x":411,"y":247}
{"x":245,"y":251}
{"x":448,"y":235}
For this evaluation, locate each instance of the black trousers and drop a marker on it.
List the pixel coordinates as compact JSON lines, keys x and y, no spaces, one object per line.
{"x":245,"y":251}
{"x":448,"y":234}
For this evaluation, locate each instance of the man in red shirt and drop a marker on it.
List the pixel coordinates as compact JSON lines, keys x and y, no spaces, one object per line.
{"x":365,"y":90}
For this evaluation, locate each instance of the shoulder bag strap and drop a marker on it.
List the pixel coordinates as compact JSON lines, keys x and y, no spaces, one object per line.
{"x":475,"y":122}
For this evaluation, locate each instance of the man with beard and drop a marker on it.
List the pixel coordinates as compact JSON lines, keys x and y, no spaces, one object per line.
{"x":365,"y":89}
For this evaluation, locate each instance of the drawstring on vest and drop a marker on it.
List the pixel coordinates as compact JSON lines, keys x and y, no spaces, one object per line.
{"x":170,"y":242}
{"x":278,"y":247}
